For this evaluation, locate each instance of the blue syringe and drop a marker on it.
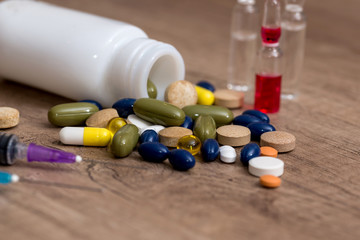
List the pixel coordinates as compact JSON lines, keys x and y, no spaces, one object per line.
{"x":6,"y":178}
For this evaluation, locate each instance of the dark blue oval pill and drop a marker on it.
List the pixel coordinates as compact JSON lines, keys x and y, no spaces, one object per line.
{"x":258,"y":114}
{"x":248,"y":152}
{"x":257,"y":129}
{"x":153,"y":152}
{"x":188,"y":123}
{"x":149,"y":136}
{"x":244,"y":120}
{"x":124,"y":107}
{"x":206,"y":85}
{"x":181,"y":159}
{"x":210,"y":150}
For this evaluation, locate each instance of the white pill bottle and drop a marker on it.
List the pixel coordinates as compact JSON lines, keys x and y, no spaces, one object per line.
{"x":82,"y":56}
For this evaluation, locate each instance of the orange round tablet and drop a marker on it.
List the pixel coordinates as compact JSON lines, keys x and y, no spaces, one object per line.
{"x":270,"y":181}
{"x":268,"y":151}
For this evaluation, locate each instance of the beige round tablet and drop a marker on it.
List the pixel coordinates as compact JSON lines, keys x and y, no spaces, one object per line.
{"x":229,"y":98}
{"x":280,"y":140}
{"x":181,"y":93}
{"x":9,"y":117}
{"x":101,"y":118}
{"x":233,"y":135}
{"x":171,"y":135}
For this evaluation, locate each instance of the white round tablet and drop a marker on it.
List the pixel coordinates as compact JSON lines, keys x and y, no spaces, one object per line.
{"x":259,"y":166}
{"x":227,"y":154}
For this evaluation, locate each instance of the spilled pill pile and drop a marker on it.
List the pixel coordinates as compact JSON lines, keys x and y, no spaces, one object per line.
{"x":185,"y":125}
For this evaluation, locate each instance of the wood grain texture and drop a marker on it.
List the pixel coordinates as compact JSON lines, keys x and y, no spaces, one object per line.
{"x":107,"y":198}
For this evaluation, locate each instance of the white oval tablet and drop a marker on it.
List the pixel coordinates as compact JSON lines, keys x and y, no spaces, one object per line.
{"x":227,"y":154}
{"x":156,"y":128}
{"x":138,"y":122}
{"x":259,"y":166}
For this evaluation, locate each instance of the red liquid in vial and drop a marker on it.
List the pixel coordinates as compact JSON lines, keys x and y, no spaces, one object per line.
{"x":267,"y":93}
{"x":270,"y":35}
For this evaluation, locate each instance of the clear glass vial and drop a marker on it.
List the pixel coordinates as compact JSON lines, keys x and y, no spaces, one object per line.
{"x":292,"y":42}
{"x":243,"y":45}
{"x":80,"y":55}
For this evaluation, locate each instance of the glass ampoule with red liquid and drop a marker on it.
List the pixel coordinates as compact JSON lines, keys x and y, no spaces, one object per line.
{"x":268,"y":70}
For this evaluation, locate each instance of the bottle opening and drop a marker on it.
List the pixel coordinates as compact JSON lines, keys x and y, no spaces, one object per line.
{"x":142,"y":60}
{"x":163,"y":72}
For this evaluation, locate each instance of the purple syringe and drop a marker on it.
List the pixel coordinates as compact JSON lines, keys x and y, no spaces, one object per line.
{"x":11,"y":149}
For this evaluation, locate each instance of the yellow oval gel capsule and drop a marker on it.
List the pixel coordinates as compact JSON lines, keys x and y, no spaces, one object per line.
{"x":189,"y":143}
{"x":205,"y":97}
{"x":115,"y":124}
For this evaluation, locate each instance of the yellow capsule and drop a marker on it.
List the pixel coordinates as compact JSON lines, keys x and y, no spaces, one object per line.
{"x":189,"y":143}
{"x":96,"y":137}
{"x":205,"y":97}
{"x":85,"y":136}
{"x":115,"y":124}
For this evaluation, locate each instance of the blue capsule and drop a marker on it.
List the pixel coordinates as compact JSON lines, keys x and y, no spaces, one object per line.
{"x":181,"y":159}
{"x":188,"y":123}
{"x":244,"y":120}
{"x":257,"y":129}
{"x":153,"y":152}
{"x":149,"y":136}
{"x":124,"y":107}
{"x":210,"y":150}
{"x":206,"y":85}
{"x":248,"y":152}
{"x":258,"y":114}
{"x":93,"y":102}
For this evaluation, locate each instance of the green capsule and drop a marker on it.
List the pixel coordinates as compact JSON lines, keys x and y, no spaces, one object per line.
{"x":221,"y":115}
{"x":151,"y":89}
{"x":158,"y":112}
{"x":71,"y":114}
{"x":205,"y":127}
{"x":125,"y":140}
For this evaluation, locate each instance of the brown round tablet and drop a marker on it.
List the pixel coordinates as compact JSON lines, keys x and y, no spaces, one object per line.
{"x":171,"y":135}
{"x":181,"y":93}
{"x":9,"y":117}
{"x":280,"y":140}
{"x":233,"y":135}
{"x":101,"y":118}
{"x":229,"y":98}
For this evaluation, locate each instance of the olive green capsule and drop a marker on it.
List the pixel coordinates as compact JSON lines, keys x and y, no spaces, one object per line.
{"x":124,"y":140}
{"x":221,"y":115}
{"x":158,"y":112}
{"x":151,"y":89}
{"x":71,"y":114}
{"x":205,"y":127}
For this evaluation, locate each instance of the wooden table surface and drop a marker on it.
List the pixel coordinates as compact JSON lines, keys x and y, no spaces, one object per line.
{"x":108,"y":198}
